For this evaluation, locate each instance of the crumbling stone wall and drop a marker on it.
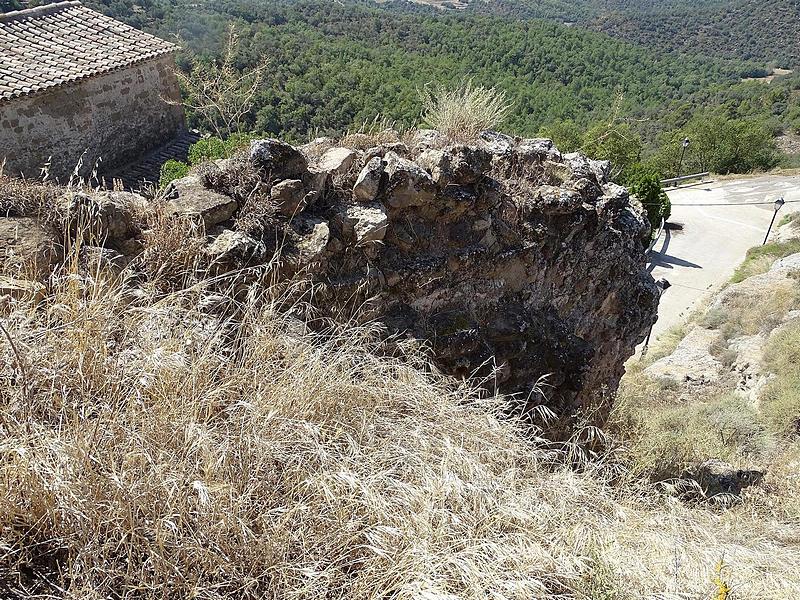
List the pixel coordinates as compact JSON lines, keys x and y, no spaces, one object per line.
{"x":515,"y":266}
{"x":113,"y":117}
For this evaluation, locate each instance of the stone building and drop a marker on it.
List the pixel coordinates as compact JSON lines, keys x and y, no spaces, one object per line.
{"x":77,"y":87}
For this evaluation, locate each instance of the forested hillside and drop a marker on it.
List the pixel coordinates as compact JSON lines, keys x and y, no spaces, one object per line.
{"x":333,"y":66}
{"x":735,"y":29}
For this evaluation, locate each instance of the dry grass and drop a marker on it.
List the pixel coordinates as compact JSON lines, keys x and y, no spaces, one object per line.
{"x":760,"y":258}
{"x":463,"y":113}
{"x":21,"y":198}
{"x":377,"y":132}
{"x":151,"y":448}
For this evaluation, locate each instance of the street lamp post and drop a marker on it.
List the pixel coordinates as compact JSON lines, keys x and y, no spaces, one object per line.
{"x":684,"y":146}
{"x":778,"y":204}
{"x":663,"y":285}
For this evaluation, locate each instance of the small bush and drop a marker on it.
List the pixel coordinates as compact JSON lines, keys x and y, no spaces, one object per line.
{"x":645,"y":184}
{"x":462,"y":113}
{"x":206,"y":149}
{"x":172,"y":170}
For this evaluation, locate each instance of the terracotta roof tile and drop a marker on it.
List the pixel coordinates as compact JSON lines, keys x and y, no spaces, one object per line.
{"x":54,"y":44}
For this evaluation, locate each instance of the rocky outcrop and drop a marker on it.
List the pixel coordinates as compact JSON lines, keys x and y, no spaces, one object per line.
{"x":516,"y":266}
{"x":512,"y":263}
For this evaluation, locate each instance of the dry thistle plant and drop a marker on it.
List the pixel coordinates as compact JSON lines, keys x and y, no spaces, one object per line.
{"x":464,"y":112}
{"x":218,"y":92}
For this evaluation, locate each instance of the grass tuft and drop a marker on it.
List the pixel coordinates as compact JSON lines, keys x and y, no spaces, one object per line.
{"x":463,"y":113}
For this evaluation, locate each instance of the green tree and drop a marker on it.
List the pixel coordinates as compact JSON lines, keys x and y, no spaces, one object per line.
{"x":615,"y":142}
{"x":645,"y":183}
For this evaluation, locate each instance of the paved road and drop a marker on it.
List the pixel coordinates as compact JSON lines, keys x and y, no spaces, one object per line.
{"x":698,"y":259}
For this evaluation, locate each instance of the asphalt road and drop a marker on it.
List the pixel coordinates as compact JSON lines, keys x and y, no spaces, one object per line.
{"x":701,"y":256}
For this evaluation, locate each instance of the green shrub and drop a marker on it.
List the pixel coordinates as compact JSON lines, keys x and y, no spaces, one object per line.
{"x":210,"y":148}
{"x":645,"y":184}
{"x":171,"y":170}
{"x":213,"y":148}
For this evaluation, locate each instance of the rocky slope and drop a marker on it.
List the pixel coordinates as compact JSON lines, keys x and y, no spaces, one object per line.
{"x":511,"y":262}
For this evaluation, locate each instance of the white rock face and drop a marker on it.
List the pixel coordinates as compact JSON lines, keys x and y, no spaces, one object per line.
{"x":368,"y":183}
{"x":409,"y":184}
{"x":336,"y":161}
{"x":191,"y":199}
{"x":369,"y":222}
{"x":691,"y":361}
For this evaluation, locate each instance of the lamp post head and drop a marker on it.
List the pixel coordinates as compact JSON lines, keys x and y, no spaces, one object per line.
{"x":779,"y":203}
{"x":686,"y":143}
{"x":663,"y":284}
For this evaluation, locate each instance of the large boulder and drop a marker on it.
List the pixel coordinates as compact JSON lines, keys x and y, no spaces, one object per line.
{"x":336,"y":161}
{"x":235,"y":249}
{"x":289,"y":196}
{"x":460,"y":165}
{"x":189,"y":198}
{"x":28,"y":246}
{"x":368,"y":183}
{"x":367,"y":223}
{"x":529,"y":276}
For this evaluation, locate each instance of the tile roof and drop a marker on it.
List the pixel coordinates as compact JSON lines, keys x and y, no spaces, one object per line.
{"x":54,"y":44}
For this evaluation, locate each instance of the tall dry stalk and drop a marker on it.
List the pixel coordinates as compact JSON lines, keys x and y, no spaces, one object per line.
{"x":220,"y":94}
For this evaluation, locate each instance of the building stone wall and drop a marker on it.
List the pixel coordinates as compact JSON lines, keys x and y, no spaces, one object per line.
{"x":112,"y":117}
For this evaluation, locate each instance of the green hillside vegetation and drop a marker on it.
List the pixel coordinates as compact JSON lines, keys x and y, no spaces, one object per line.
{"x":334,"y":66}
{"x":734,"y":29}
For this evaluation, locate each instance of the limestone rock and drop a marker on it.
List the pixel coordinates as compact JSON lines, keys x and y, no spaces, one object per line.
{"x":408,"y":183}
{"x":586,"y":168}
{"x":368,"y":223}
{"x":28,"y":246}
{"x":277,"y":160}
{"x":461,"y":165}
{"x":336,"y":161}
{"x":535,"y":281}
{"x":497,"y":144}
{"x":424,"y":139}
{"x":106,"y":217}
{"x":289,"y":195}
{"x":691,"y":362}
{"x":313,"y":235}
{"x":189,"y":198}
{"x":538,"y":150}
{"x":557,"y":201}
{"x":368,"y":182}
{"x":316,"y":147}
{"x":235,"y":248}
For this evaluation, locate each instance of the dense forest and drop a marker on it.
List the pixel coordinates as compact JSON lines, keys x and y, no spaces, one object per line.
{"x":734,"y":29}
{"x":333,"y":66}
